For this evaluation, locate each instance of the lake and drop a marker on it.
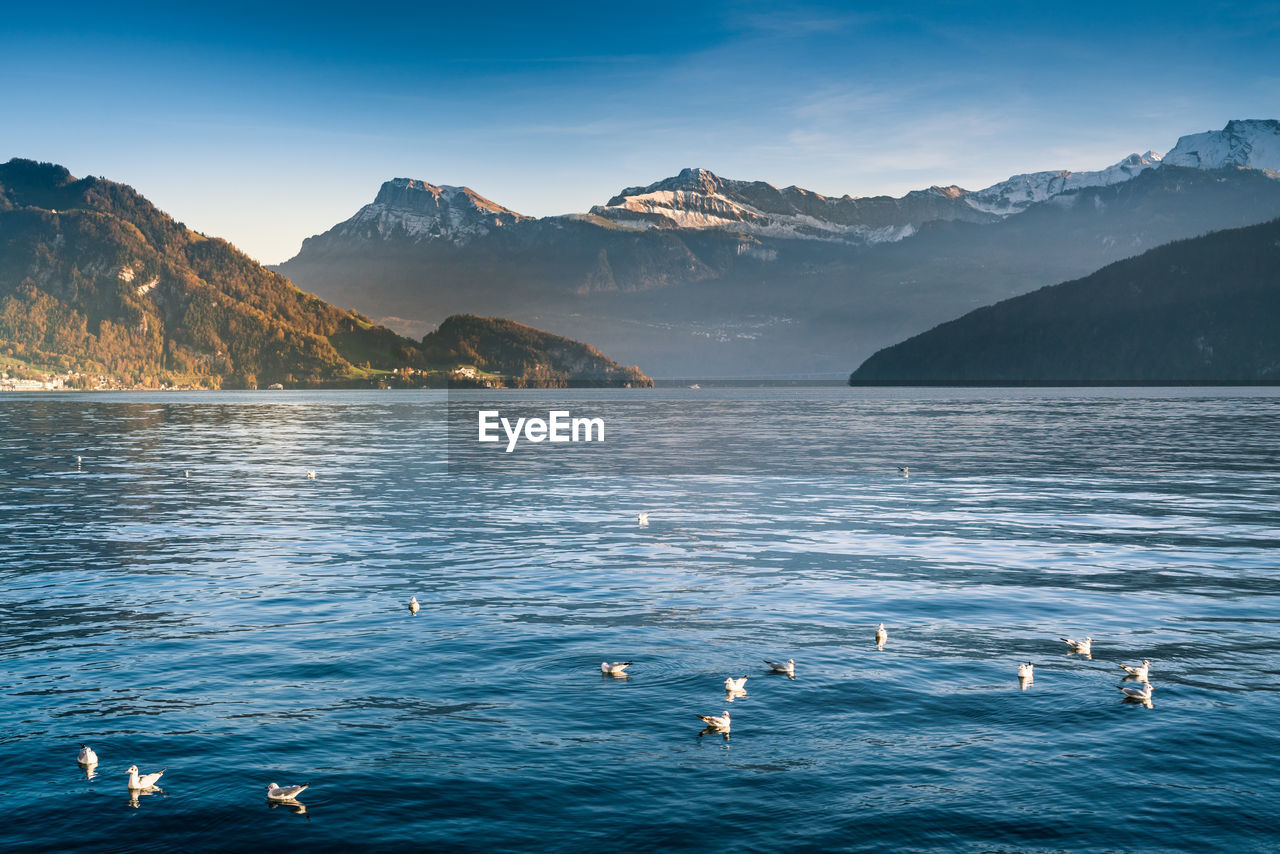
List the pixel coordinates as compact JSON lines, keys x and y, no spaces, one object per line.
{"x":185,"y":598}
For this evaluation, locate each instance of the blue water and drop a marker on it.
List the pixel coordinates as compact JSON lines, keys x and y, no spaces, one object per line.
{"x":245,"y":625}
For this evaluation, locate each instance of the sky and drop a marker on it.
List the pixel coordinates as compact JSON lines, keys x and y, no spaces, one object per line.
{"x":265,"y":123}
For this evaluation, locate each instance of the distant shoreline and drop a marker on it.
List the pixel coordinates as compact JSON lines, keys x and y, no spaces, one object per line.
{"x":1065,"y":384}
{"x":691,"y":385}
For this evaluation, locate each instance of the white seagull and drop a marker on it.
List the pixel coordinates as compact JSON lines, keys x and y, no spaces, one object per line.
{"x":642,"y":519}
{"x":1084,"y":647}
{"x":413,"y":604}
{"x":1133,"y":692}
{"x":881,"y":635}
{"x":146,"y":781}
{"x":87,"y":756}
{"x":311,"y":474}
{"x":734,"y":685}
{"x":1026,"y":671}
{"x":904,"y":471}
{"x":617,"y":668}
{"x":1140,"y":672}
{"x":720,"y":722}
{"x":789,"y":668}
{"x":276,"y":792}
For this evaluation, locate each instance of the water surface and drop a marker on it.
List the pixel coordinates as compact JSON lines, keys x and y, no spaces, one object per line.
{"x":243,"y":624}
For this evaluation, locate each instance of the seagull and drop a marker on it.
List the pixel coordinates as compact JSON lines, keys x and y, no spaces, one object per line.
{"x":720,"y":722}
{"x":617,"y":668}
{"x":1140,"y":672}
{"x":1132,"y":692}
{"x":276,"y":792}
{"x":1084,"y":647}
{"x":734,"y":685}
{"x":881,"y":635}
{"x":642,"y":519}
{"x":904,"y":471}
{"x":413,"y":604}
{"x":1026,"y":671}
{"x":144,"y":782}
{"x":311,"y":474}
{"x":87,"y":756}
{"x":789,"y":668}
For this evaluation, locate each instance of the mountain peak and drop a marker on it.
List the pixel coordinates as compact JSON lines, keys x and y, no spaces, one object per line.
{"x":690,"y":180}
{"x":417,"y":210}
{"x":1243,"y":143}
{"x":412,"y":194}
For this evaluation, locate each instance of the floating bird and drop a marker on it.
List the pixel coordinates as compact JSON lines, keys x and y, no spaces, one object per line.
{"x":87,"y":756}
{"x":311,"y":474}
{"x":276,"y":792}
{"x":642,"y":519}
{"x":881,"y":635}
{"x":146,"y":781}
{"x":720,"y":722}
{"x":904,"y":471}
{"x":1026,"y":671}
{"x":734,"y":685}
{"x":186,"y":473}
{"x":1132,"y":692}
{"x":1084,"y":647}
{"x":1140,"y":672}
{"x":789,"y":668}
{"x":413,"y":604}
{"x":617,"y":668}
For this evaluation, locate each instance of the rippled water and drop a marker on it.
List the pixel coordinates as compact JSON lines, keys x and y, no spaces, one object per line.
{"x":245,"y":625}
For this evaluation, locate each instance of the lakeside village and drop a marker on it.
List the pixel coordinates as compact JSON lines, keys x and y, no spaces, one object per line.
{"x":17,"y":378}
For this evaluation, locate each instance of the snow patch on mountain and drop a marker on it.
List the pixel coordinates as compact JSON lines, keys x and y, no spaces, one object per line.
{"x":1243,"y":143}
{"x":699,"y":199}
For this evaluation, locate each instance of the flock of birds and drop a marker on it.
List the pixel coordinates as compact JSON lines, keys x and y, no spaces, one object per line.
{"x":1140,"y":673}
{"x":145,"y":784}
{"x":722,"y":723}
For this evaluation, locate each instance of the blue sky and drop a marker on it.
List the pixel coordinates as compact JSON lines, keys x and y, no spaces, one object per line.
{"x":266,"y":123}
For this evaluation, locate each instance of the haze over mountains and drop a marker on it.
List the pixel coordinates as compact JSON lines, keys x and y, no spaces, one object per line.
{"x":1205,"y":310}
{"x":698,"y":275}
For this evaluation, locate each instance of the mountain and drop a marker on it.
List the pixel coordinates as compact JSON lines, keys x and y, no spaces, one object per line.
{"x":525,"y":356}
{"x":1203,"y":310}
{"x":415,"y":210}
{"x":1021,"y":191}
{"x":699,"y":275}
{"x":698,"y":199}
{"x":1247,"y":144}
{"x":98,"y":284}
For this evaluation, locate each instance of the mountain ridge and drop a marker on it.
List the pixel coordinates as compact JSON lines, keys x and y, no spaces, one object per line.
{"x":1198,"y":311}
{"x":697,"y":198}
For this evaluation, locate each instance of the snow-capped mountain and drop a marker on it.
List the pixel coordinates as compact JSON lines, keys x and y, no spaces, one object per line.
{"x":699,"y":199}
{"x":405,"y":207}
{"x":1244,"y":143}
{"x":1020,"y":191}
